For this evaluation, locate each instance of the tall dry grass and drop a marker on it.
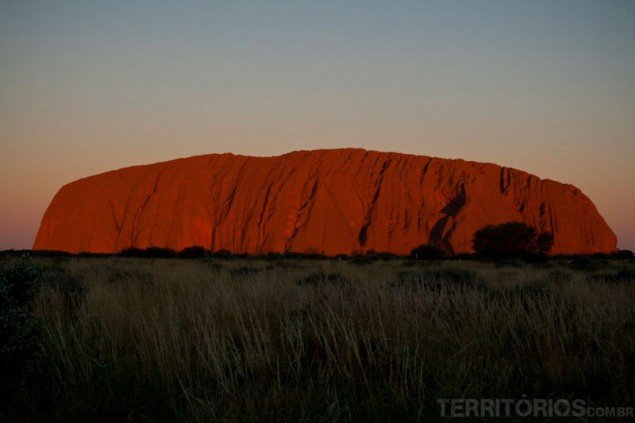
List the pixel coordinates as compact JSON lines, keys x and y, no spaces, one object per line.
{"x":309,"y":340}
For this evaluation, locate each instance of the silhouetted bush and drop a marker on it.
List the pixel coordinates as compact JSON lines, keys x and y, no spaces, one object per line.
{"x":360,"y":259}
{"x":130,"y":252}
{"x":371,"y":254}
{"x":588,"y":264}
{"x":150,"y":252}
{"x":386,"y":256}
{"x":544,"y":243}
{"x":195,"y":251}
{"x":222,"y":254}
{"x":622,"y":254}
{"x":512,"y":239}
{"x":427,"y":252}
{"x":313,"y":256}
{"x":274,"y":256}
{"x":34,"y":253}
{"x":91,"y":255}
{"x":159,"y":252}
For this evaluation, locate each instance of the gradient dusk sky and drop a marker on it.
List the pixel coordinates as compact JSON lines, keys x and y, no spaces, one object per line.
{"x":544,"y":86}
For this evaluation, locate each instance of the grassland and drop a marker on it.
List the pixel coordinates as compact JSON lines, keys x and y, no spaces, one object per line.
{"x":322,"y":340}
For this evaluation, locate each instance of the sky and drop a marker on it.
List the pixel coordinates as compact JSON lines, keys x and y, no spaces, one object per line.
{"x":89,"y":86}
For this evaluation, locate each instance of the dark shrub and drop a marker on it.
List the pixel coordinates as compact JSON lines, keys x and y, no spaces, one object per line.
{"x":222,"y":254}
{"x":87,"y":254}
{"x":159,"y":252}
{"x":384,"y":256}
{"x":588,"y":263}
{"x":309,"y":254}
{"x":622,"y":254}
{"x":131,"y":252}
{"x":195,"y":251}
{"x":151,"y":252}
{"x":360,"y":260}
{"x":314,"y":256}
{"x":581,"y":263}
{"x":294,"y":255}
{"x":371,"y":254}
{"x":512,"y":239}
{"x":375,"y":255}
{"x":544,"y":243}
{"x":274,"y":256}
{"x":34,"y":253}
{"x":427,"y":252}
{"x":19,"y":329}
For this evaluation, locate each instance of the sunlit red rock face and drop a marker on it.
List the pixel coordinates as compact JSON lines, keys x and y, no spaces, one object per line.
{"x":326,"y":201}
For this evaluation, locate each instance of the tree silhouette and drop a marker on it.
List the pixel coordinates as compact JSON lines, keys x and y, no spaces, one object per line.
{"x":544,"y":242}
{"x":427,"y":252}
{"x":511,"y":239}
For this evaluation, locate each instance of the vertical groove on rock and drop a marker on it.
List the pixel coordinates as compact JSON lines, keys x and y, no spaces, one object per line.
{"x":134,"y":235}
{"x":422,"y":204}
{"x":303,"y":211}
{"x":368,"y":220}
